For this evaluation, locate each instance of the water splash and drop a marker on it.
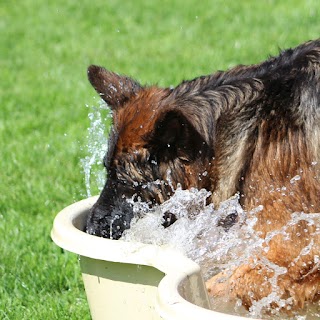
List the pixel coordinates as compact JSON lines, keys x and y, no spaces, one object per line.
{"x":199,"y":234}
{"x":96,"y":147}
{"x":196,"y":231}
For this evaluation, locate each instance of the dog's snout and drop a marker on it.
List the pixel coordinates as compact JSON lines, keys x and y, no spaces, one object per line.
{"x":109,"y":222}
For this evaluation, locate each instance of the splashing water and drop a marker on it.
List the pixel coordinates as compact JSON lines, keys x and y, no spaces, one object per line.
{"x":97,"y":145}
{"x":198,"y":232}
{"x":190,"y":233}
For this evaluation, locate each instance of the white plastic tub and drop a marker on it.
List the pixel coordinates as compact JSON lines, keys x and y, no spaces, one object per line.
{"x":132,"y":280}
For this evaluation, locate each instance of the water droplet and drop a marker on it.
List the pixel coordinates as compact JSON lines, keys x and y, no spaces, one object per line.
{"x":294,"y":179}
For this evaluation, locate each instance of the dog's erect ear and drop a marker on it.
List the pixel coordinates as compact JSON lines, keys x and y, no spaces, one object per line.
{"x":114,"y":89}
{"x":175,"y":137}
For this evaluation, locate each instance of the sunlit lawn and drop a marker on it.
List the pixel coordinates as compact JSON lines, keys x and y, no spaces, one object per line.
{"x":45,"y":48}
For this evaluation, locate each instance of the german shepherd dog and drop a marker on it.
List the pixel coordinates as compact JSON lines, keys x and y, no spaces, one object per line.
{"x":255,"y":130}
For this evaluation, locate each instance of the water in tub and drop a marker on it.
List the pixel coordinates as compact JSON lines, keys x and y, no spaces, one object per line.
{"x":198,"y":232}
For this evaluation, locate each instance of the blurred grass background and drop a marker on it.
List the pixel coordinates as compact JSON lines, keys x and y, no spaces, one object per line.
{"x":45,"y":48}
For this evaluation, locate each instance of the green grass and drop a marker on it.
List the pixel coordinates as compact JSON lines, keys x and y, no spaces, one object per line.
{"x":45,"y":47}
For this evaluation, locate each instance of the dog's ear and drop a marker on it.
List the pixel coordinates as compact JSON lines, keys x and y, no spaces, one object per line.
{"x":175,"y":137}
{"x":114,"y":89}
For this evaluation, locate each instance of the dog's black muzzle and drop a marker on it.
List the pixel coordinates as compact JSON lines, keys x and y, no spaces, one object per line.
{"x":109,"y":221}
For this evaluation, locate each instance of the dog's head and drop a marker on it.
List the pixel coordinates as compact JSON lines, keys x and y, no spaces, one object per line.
{"x":158,"y":141}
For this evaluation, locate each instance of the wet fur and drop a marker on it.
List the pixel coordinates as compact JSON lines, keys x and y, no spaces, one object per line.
{"x":253,"y":129}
